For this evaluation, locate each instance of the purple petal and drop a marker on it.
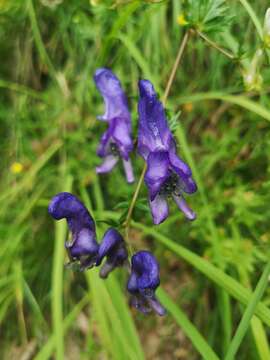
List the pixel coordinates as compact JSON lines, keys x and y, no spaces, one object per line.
{"x":178,"y":165}
{"x":187,"y":184}
{"x":132,"y":285}
{"x":113,"y":248}
{"x":159,"y":209}
{"x":83,"y":246}
{"x":157,"y":171}
{"x":103,"y":148}
{"x":107,"y":165}
{"x":66,"y":205}
{"x":157,"y":307}
{"x":110,"y":240}
{"x":183,"y":206}
{"x":140,"y":303}
{"x":154,"y":133}
{"x":143,"y":281}
{"x":105,"y":270}
{"x":122,"y":137}
{"x":113,"y":95}
{"x":128,"y":170}
{"x":145,"y":265}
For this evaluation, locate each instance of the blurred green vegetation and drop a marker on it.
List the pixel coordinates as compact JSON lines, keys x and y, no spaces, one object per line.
{"x":49,"y":133}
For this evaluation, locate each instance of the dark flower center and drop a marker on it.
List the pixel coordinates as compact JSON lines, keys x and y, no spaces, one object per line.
{"x":170,"y":186}
{"x":114,"y":149}
{"x":147,"y":292}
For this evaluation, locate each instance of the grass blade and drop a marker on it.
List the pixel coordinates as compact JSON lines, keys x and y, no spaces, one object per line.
{"x":240,"y":100}
{"x":250,"y":310}
{"x":187,"y":327}
{"x":140,"y":60}
{"x":253,"y":17}
{"x":47,"y":349}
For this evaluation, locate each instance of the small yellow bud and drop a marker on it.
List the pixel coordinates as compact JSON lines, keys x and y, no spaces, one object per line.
{"x":16,"y":168}
{"x":188,"y":107}
{"x":181,"y":20}
{"x":94,"y":2}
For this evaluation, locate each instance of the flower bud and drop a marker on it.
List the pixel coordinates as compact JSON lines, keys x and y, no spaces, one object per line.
{"x":266,"y":28}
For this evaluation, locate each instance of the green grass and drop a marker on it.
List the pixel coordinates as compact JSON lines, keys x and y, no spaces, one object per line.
{"x":214,"y":271}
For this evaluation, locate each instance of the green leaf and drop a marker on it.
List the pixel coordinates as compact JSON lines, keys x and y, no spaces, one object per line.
{"x":240,"y":100}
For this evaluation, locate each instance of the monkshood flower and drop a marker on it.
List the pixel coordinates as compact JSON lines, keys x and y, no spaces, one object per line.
{"x":167,"y":175}
{"x":143,"y":281}
{"x":116,"y":142}
{"x":114,"y":249}
{"x":83,"y":248}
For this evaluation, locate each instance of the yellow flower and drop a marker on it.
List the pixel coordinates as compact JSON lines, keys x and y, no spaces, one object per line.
{"x":181,"y":20}
{"x":16,"y":168}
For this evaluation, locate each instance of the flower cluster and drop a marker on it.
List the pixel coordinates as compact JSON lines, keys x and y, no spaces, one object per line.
{"x":84,"y":250}
{"x":167,"y":175}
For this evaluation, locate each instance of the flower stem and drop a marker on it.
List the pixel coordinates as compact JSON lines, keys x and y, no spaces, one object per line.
{"x":175,"y":66}
{"x":165,"y":97}
{"x":215,"y":45}
{"x":135,"y":196}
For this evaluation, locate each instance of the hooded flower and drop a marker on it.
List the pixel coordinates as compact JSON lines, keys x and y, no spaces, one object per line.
{"x":116,"y":142}
{"x":143,"y":281}
{"x":113,"y":248}
{"x":83,"y":247}
{"x":167,"y":175}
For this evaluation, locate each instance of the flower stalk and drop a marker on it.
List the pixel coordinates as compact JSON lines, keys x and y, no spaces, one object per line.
{"x":179,"y":56}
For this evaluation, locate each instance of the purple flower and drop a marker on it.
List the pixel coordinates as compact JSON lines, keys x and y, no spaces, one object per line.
{"x":167,"y":175}
{"x":143,"y":281}
{"x":116,"y":142}
{"x":83,"y":247}
{"x":114,"y":249}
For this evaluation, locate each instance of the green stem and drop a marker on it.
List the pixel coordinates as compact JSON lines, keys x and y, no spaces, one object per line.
{"x":253,"y":17}
{"x":215,"y":45}
{"x":39,"y":43}
{"x":175,"y":66}
{"x":57,"y":281}
{"x":249,"y":312}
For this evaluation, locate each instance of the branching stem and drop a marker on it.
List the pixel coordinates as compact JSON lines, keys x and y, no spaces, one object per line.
{"x":215,"y":45}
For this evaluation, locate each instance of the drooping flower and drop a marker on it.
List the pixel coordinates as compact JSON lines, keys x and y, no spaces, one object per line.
{"x":116,"y":142}
{"x":167,"y":175}
{"x":114,"y":249}
{"x":83,"y":247}
{"x":143,"y":282}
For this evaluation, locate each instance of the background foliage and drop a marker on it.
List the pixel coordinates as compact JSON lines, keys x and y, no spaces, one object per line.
{"x":49,"y":134}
